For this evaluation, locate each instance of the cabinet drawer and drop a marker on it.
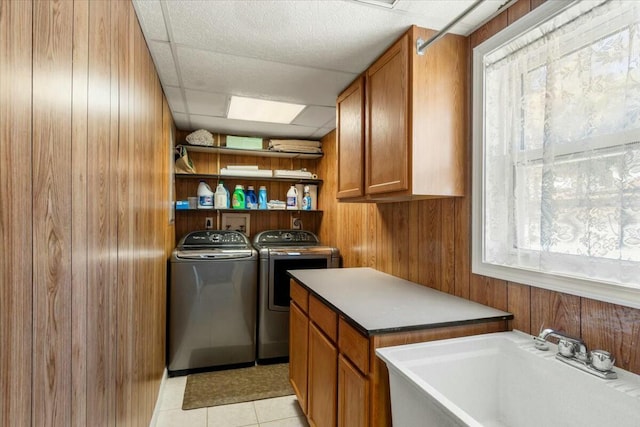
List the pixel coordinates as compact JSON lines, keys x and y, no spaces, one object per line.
{"x":354,"y":345}
{"x":324,"y":317}
{"x":299,"y":295}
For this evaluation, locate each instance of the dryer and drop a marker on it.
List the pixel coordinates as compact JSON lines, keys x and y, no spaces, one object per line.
{"x":279,"y":251}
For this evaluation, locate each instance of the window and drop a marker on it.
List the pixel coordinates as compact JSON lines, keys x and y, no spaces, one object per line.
{"x":556,"y":197}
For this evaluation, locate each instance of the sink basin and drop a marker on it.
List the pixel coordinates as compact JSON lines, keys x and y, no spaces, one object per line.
{"x":501,"y":379}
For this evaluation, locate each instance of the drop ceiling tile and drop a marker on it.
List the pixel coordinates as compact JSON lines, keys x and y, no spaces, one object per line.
{"x":175,"y":99}
{"x":246,"y":128}
{"x":332,"y":35}
{"x":151,"y":19}
{"x":321,"y":132}
{"x":163,"y":59}
{"x":181,"y":121}
{"x":222,"y":73}
{"x":441,"y":13}
{"x":206,"y":104}
{"x":314,"y":116}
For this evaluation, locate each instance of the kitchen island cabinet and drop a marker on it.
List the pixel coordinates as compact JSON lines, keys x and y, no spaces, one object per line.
{"x":349,"y":313}
{"x":401,"y":134}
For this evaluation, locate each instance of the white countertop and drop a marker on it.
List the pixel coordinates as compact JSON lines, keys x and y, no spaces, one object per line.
{"x":378,"y":302}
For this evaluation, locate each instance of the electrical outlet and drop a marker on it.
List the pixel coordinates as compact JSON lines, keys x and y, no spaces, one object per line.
{"x":296,"y":223}
{"x":208,"y":223}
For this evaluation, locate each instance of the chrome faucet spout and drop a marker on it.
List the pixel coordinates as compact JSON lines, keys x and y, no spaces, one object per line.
{"x":573,"y":351}
{"x":580,"y":346}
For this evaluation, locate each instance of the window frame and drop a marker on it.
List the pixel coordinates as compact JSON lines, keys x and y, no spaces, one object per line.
{"x":601,"y":291}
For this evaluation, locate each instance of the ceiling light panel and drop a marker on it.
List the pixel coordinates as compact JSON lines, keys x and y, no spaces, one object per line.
{"x":261,"y":110}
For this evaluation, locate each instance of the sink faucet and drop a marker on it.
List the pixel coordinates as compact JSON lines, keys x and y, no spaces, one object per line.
{"x":567,"y":345}
{"x":573,"y":351}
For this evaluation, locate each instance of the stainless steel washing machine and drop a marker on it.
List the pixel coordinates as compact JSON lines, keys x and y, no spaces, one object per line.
{"x":212,"y":302}
{"x":282,"y":250}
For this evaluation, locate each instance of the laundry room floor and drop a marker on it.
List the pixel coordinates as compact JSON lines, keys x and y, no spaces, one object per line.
{"x":275,"y":412}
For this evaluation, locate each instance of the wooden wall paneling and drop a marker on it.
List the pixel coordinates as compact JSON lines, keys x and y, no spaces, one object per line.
{"x":145,"y":348}
{"x":125,"y":229}
{"x":518,"y":10}
{"x":536,"y":3}
{"x":52,"y":56}
{"x":487,"y":30}
{"x":412,"y":257}
{"x":139,"y":333}
{"x":488,"y":291}
{"x":79,"y":205}
{"x":384,"y":238}
{"x":168,"y":130}
{"x":100,"y":227}
{"x":327,"y":191}
{"x":555,"y":310}
{"x":160,"y":217}
{"x":370,"y":212}
{"x":519,"y":304}
{"x":613,"y":328}
{"x":448,"y":249}
{"x":430,"y":228}
{"x":16,"y":292}
{"x":462,"y":245}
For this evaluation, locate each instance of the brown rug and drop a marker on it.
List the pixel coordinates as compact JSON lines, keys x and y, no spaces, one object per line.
{"x":236,"y":385}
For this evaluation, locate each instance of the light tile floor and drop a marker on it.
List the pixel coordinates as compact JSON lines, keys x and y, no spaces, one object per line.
{"x":276,"y":412}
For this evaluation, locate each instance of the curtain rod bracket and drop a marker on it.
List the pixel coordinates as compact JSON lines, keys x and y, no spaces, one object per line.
{"x":421,"y":45}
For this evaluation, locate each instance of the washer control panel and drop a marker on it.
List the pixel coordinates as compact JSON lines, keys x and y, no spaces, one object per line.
{"x":210,"y":238}
{"x":274,"y":237}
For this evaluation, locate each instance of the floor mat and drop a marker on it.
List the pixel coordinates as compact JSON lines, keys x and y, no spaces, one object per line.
{"x":236,"y":385}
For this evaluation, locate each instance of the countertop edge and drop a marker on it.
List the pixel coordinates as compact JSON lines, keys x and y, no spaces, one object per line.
{"x":382,"y":331}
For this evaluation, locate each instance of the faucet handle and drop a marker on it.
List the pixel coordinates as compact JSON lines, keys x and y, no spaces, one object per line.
{"x":566,"y":348}
{"x":602,"y":360}
{"x":540,"y":343}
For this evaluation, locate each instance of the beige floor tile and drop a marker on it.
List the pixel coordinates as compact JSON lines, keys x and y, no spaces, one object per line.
{"x":287,"y":422}
{"x":171,"y":397}
{"x":277,"y":408}
{"x":235,"y":415}
{"x":180,"y":418}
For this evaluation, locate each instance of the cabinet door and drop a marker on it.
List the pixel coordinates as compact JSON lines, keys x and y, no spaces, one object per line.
{"x":387,"y":121}
{"x":298,"y":341}
{"x":323,"y":373}
{"x":350,"y":134}
{"x":353,"y":396}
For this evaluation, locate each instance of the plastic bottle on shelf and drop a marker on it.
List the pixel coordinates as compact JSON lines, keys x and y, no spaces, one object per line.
{"x":306,"y":199}
{"x":237,"y":200}
{"x":292,"y":198}
{"x":221,"y":197}
{"x":205,"y":196}
{"x":262,"y":197}
{"x":251,"y":201}
{"x":228,"y":198}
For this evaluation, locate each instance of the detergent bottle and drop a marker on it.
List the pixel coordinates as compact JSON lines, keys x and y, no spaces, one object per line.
{"x":205,"y":196}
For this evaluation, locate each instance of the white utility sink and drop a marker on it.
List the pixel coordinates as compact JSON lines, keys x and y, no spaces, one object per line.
{"x":501,"y":379}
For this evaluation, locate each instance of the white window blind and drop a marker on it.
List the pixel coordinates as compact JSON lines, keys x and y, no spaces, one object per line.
{"x":557,"y":151}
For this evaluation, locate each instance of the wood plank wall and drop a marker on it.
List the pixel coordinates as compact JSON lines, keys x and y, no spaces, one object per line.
{"x":84,"y":220}
{"x":428,"y":242}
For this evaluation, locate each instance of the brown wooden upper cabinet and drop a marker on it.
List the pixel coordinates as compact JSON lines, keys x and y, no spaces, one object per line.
{"x":402,"y":125}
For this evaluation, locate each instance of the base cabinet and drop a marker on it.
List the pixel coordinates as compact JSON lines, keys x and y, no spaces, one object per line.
{"x":298,"y":346}
{"x":353,"y":395}
{"x":346,"y":384}
{"x":323,"y":369}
